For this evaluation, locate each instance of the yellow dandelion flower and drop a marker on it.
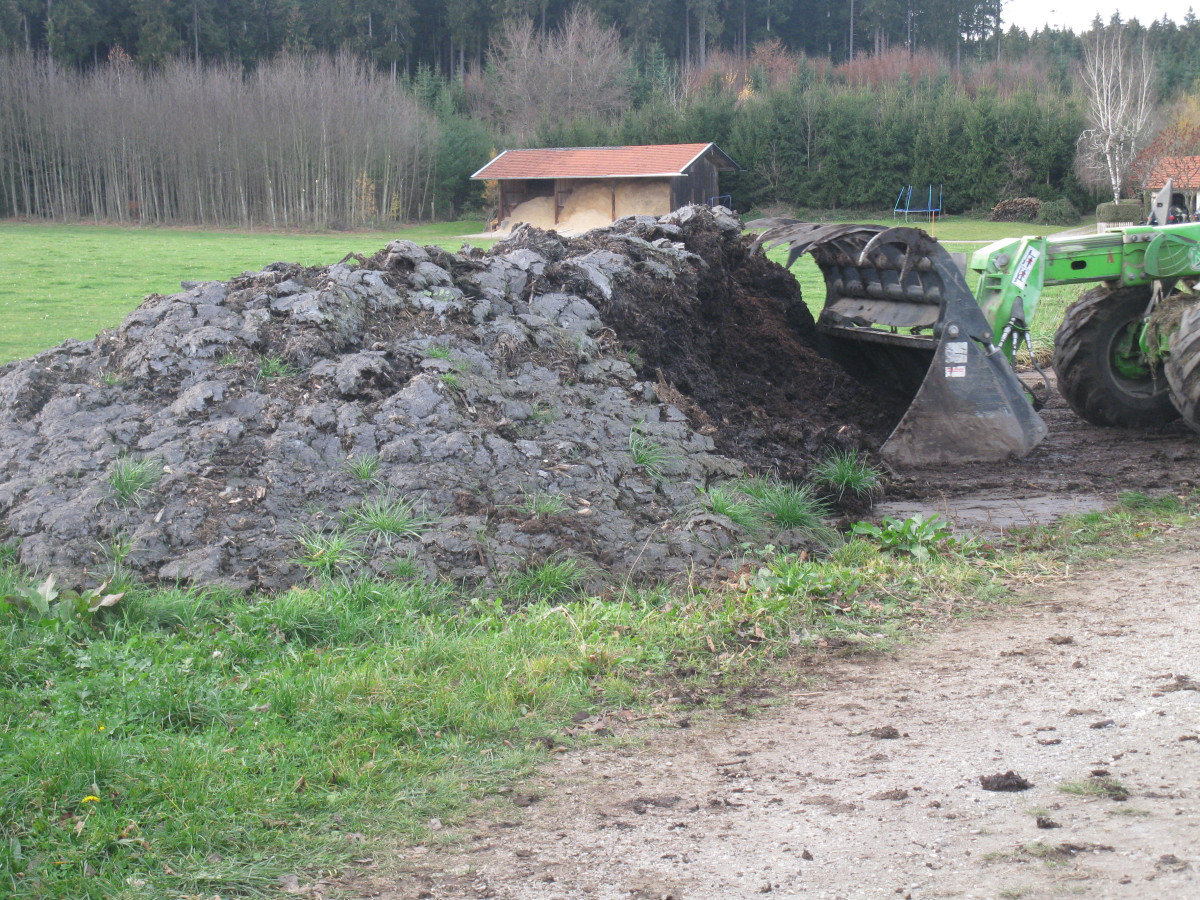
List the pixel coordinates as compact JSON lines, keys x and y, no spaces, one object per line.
{"x":90,"y":798}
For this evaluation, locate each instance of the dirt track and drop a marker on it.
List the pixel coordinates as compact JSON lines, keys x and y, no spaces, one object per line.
{"x":813,"y":798}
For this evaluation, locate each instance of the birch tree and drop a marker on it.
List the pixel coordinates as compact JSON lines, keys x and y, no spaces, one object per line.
{"x":1118,"y":84}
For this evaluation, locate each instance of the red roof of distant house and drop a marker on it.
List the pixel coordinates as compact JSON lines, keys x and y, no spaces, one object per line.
{"x":1184,"y":172}
{"x":653,"y":160}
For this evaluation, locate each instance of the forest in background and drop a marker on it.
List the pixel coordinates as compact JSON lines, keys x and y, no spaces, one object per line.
{"x":299,"y":113}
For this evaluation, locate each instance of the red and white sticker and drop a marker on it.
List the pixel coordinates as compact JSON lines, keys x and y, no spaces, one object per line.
{"x":1024,"y":267}
{"x":956,"y":371}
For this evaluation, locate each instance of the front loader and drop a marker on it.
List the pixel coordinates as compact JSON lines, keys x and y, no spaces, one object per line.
{"x":1126,"y":354}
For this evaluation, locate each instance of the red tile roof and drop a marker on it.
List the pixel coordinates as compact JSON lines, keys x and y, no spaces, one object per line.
{"x":663,"y":160}
{"x":1184,"y":172}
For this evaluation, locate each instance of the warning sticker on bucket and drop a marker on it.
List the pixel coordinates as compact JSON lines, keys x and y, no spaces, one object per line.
{"x":956,"y":371}
{"x":1024,"y":267}
{"x":956,"y":352}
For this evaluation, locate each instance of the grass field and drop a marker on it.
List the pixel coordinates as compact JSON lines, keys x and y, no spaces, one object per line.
{"x":71,"y":281}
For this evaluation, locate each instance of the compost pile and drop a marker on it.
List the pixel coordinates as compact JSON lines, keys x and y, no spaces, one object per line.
{"x":219,"y":435}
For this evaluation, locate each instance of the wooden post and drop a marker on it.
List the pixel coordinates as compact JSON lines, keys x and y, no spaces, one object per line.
{"x":556,"y":182}
{"x":613,"y":217}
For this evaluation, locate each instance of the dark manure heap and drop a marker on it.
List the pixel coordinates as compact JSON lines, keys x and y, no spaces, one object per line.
{"x":460,"y":415}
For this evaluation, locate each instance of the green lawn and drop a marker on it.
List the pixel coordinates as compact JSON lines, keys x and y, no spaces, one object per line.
{"x":70,"y":281}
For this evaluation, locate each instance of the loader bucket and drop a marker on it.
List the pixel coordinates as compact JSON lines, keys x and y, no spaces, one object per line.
{"x":897,"y":304}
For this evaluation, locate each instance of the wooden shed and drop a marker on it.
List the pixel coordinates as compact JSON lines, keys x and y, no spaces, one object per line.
{"x":579,"y":188}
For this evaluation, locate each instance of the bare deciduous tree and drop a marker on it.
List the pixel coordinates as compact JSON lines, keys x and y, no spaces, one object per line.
{"x":301,"y":142}
{"x":575,"y":72}
{"x":1118,"y":83}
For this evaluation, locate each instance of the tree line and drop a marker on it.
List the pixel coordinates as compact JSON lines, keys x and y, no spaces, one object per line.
{"x":309,"y":139}
{"x":452,"y":36}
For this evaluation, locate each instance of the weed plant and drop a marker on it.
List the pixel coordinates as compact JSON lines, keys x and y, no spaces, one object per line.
{"x":916,"y":536}
{"x":132,"y":480}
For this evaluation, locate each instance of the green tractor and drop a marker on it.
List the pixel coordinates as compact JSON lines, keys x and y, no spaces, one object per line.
{"x":1127,"y":353}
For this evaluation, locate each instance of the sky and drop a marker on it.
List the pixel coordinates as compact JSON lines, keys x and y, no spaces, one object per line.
{"x":1078,"y":14}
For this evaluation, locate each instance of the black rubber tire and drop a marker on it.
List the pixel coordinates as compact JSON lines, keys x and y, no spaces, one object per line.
{"x":1183,"y":367}
{"x":1083,"y":360}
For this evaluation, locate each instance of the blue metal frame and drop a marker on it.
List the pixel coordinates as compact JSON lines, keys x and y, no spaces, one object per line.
{"x":904,"y":205}
{"x":725,"y":200}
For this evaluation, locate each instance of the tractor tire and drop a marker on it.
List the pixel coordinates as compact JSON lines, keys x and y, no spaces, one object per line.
{"x":1085,"y":348}
{"x":1183,"y":367}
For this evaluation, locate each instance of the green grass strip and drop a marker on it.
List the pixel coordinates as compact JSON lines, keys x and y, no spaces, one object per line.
{"x":202,"y":742}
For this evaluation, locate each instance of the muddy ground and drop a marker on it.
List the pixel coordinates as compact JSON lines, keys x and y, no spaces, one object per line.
{"x":1078,"y":467}
{"x":868,"y":784}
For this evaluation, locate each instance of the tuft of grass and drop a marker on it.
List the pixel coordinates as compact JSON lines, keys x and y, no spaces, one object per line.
{"x":327,"y":553}
{"x":558,"y":578}
{"x":132,"y":480}
{"x":845,"y":473}
{"x":794,"y":506}
{"x":730,"y":503}
{"x":274,"y":368}
{"x":388,"y":518}
{"x":437,"y":351}
{"x":229,"y":358}
{"x":452,"y":381}
{"x":364,"y":468}
{"x":543,"y":413}
{"x":651,"y":456}
{"x":1109,"y":788}
{"x":542,"y":503}
{"x":112,"y":379}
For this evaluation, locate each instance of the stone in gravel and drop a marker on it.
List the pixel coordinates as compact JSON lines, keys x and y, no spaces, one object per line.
{"x":1182,"y":683}
{"x":1047,"y":822}
{"x":1103,"y":723}
{"x":1009,"y":781}
{"x":885,"y":733}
